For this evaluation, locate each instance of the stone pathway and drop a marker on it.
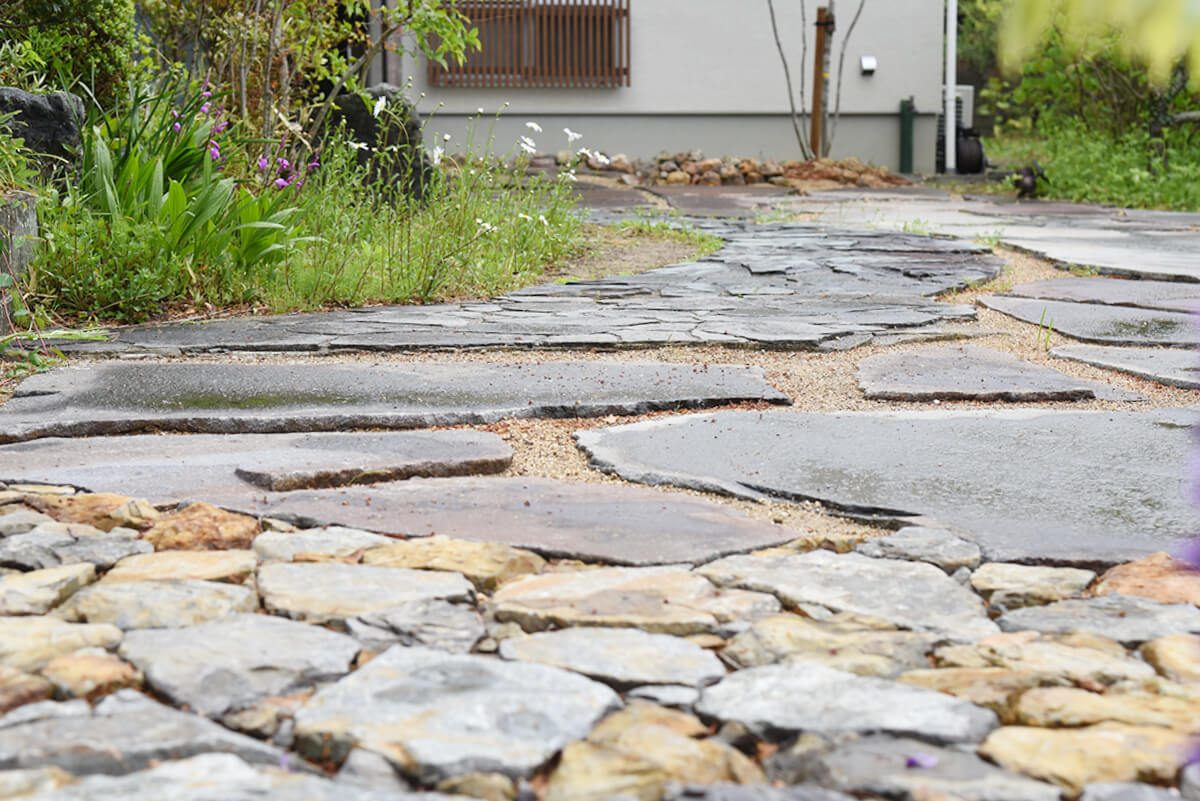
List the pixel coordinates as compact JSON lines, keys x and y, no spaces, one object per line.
{"x":335,"y":613}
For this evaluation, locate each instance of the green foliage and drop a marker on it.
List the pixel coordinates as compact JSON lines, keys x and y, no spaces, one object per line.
{"x":978,"y":29}
{"x":17,"y":162}
{"x":87,"y":41}
{"x":21,"y":66}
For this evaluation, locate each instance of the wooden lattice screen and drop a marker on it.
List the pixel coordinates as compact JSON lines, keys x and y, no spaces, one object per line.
{"x":543,"y":43}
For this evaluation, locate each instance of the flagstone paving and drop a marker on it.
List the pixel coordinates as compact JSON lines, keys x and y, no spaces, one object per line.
{"x":1173,"y":367}
{"x":524,"y":638}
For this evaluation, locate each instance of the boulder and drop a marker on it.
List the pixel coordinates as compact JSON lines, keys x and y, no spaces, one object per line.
{"x":405,"y":169}
{"x":49,"y":124}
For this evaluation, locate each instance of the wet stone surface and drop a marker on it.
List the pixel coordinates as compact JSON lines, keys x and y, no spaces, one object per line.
{"x":954,"y":467}
{"x":233,"y":398}
{"x":1107,"y":325}
{"x":1173,"y":367}
{"x":1164,"y":295}
{"x":968,"y":372}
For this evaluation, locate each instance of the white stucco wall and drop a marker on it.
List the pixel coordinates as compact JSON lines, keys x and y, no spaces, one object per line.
{"x":708,"y":70}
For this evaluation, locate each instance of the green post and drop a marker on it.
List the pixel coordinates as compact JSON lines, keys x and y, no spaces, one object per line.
{"x":906,"y":136}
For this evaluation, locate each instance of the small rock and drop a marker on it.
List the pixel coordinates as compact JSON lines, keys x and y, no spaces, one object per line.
{"x":1011,"y":586}
{"x":431,"y":622}
{"x":18,"y":688}
{"x":136,"y":514}
{"x":39,"y":591}
{"x":31,"y":550}
{"x":487,"y":786}
{"x":333,"y":592}
{"x":920,"y":544}
{"x":588,"y":772}
{"x":677,"y":177}
{"x":682,"y":757}
{"x":709,"y":178}
{"x":1073,"y":758}
{"x":265,"y":717}
{"x":640,"y":713}
{"x":1070,"y":707}
{"x":1159,"y":577}
{"x":158,"y":604}
{"x":619,"y":657}
{"x":334,"y":541}
{"x":202,"y":527}
{"x":486,"y":564}
{"x":235,"y":567}
{"x":1126,"y":618}
{"x":21,"y":521}
{"x":992,"y":688}
{"x":1175,"y":657}
{"x":103,"y":551}
{"x":90,"y":673}
{"x":27,"y":643}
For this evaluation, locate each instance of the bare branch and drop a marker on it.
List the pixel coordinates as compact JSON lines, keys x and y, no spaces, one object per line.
{"x":787,"y":76}
{"x":837,"y":108}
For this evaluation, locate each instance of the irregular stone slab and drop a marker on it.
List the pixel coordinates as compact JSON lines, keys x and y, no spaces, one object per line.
{"x":1071,"y":707}
{"x":1125,"y":791}
{"x":619,"y":657}
{"x":845,"y":645}
{"x":777,"y":700}
{"x":1165,"y":295}
{"x":1007,"y":586}
{"x":158,"y":604}
{"x":336,"y":542}
{"x":202,"y":527}
{"x":27,"y":643}
{"x":486,"y":564}
{"x":217,"y":667}
{"x":955,"y":467}
{"x":969,"y":372}
{"x":920,"y":544}
{"x":331,"y":592}
{"x":1173,"y":367}
{"x":125,"y":732}
{"x":1159,"y":577}
{"x":33,"y":550}
{"x":1108,"y":325}
{"x":593,"y":522}
{"x":1072,"y":758}
{"x":103,"y":510}
{"x":21,"y":520}
{"x":90,"y":673}
{"x":1126,"y":618}
{"x":663,"y":600}
{"x":39,"y":591}
{"x":912,"y":595}
{"x":433,"y":623}
{"x":901,"y":768}
{"x":234,"y":567}
{"x":435,"y":715}
{"x":590,"y":771}
{"x":1082,"y":657}
{"x":171,"y":469}
{"x":114,"y":398}
{"x":993,"y":688}
{"x":18,"y":688}
{"x":103,"y":551}
{"x":1174,"y":657}
{"x":666,"y":695}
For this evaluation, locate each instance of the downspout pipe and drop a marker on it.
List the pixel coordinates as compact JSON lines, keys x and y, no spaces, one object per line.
{"x":950,"y":115}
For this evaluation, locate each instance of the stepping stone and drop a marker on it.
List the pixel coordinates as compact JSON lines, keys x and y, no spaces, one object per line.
{"x":967,"y":372}
{"x":912,"y":595}
{"x":1145,"y":254}
{"x":1107,"y":325}
{"x":435,"y":715}
{"x":118,"y":398}
{"x":329,"y":593}
{"x":776,"y":701}
{"x":659,"y":600}
{"x":588,"y":521}
{"x":1127,"y":618}
{"x":1165,"y":295}
{"x":1092,"y":489}
{"x":168,"y":469}
{"x":214,"y":668}
{"x":901,"y":768}
{"x":622,"y":658}
{"x":125,"y":732}
{"x":1173,"y":367}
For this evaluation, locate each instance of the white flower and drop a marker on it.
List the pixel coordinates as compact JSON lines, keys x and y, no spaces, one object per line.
{"x":360,"y":146}
{"x":569,"y":175}
{"x":533,"y":126}
{"x":380,"y":105}
{"x":445,"y":137}
{"x":602,"y":159}
{"x":524,"y":216}
{"x":484,"y":226}
{"x":528,"y":145}
{"x":542,"y":219}
{"x":436,"y":155}
{"x":479,"y":110}
{"x":571,"y":135}
{"x":583,"y":151}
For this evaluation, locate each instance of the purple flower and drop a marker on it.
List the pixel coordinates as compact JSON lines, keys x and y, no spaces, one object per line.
{"x":283,"y":163}
{"x":921,"y":760}
{"x":281,"y":183}
{"x":220,"y":127}
{"x":174,"y":113}
{"x":204,"y":109}
{"x":262,"y":163}
{"x":214,"y":150}
{"x":314,"y":163}
{"x":206,"y":94}
{"x":175,"y":127}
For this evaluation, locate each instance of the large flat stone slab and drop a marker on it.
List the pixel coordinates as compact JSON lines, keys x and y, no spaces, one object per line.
{"x":597,"y":522}
{"x":436,"y":715}
{"x":218,"y":667}
{"x":969,"y":372}
{"x":775,"y":701}
{"x":271,"y":398}
{"x":167,"y":469}
{"x":1164,"y":295}
{"x":1108,"y":325}
{"x":1173,"y":367}
{"x":125,"y":732}
{"x":1082,"y":488}
{"x":1126,"y":618}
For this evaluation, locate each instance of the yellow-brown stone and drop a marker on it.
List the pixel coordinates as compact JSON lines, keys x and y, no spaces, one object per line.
{"x":486,"y":786}
{"x":27,"y":643}
{"x":644,"y":713}
{"x":102,"y":510}
{"x":1069,"y":707}
{"x":1159,"y":577}
{"x":39,"y":591}
{"x":589,"y":772}
{"x":1177,"y":657}
{"x":486,"y":564}
{"x":1071,"y":758}
{"x":202,"y":527}
{"x":995,"y":688}
{"x":18,"y":688}
{"x":91,"y":673}
{"x":234,"y":567}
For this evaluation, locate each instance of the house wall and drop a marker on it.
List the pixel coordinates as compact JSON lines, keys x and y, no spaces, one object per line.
{"x":706,"y":73}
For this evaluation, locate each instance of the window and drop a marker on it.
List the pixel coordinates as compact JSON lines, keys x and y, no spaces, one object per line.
{"x":543,"y":43}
